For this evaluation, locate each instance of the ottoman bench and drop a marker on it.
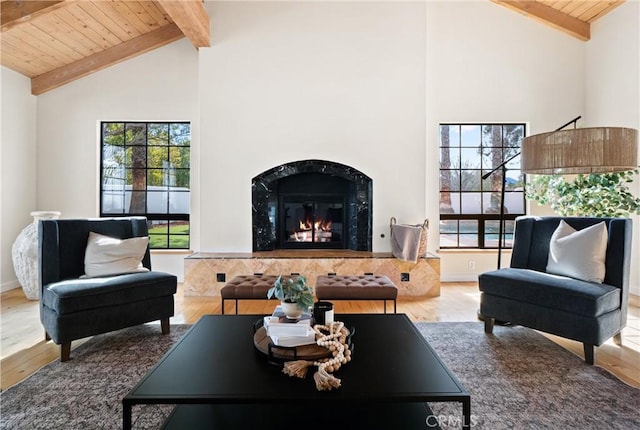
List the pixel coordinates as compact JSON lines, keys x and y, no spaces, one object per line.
{"x":248,"y":287}
{"x":357,"y":287}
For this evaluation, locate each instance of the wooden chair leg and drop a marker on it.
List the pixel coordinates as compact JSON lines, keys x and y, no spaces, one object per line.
{"x":589,"y":353}
{"x":617,"y":338}
{"x":164,"y":324}
{"x":65,"y":351}
{"x":488,"y":324}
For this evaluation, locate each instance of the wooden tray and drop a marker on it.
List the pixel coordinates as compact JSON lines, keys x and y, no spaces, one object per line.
{"x":263,"y":343}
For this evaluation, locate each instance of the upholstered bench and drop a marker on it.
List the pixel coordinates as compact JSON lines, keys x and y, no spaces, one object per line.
{"x":357,"y":287}
{"x":248,"y":287}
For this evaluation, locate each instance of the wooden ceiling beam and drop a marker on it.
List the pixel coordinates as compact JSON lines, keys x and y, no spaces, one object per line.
{"x":17,"y":12}
{"x":108,"y":57}
{"x":192,"y":18}
{"x":550,"y":16}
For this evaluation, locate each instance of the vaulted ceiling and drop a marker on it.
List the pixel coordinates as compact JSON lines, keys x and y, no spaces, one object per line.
{"x":56,"y":42}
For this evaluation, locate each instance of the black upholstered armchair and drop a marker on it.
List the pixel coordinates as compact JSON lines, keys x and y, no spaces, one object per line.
{"x":524,"y":294}
{"x":73,"y":306}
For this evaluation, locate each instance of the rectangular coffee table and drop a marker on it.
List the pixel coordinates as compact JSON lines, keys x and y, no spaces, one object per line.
{"x":218,"y":380}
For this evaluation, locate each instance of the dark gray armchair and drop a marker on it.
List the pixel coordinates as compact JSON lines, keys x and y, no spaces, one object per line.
{"x":524,"y":294}
{"x":72,"y":307}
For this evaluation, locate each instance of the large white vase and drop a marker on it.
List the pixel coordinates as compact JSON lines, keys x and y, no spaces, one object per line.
{"x":25,"y":254}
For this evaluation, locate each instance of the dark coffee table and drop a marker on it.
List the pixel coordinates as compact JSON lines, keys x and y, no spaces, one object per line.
{"x":218,"y":380}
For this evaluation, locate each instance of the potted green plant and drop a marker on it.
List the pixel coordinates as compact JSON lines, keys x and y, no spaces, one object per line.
{"x":294,"y":294}
{"x":596,"y":194}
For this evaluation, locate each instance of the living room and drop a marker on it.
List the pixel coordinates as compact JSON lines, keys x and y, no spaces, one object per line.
{"x":358,"y":83}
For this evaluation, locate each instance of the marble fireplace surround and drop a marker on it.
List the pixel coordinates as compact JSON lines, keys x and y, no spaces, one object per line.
{"x":264,"y":200}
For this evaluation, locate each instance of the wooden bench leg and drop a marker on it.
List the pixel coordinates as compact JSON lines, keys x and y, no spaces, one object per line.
{"x":385,"y":305}
{"x":164,"y":324}
{"x":65,"y":351}
{"x":394,"y":306}
{"x":236,"y":306}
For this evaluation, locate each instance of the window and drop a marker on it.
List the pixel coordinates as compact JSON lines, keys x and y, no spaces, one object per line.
{"x":469,"y":205}
{"x":145,"y":171}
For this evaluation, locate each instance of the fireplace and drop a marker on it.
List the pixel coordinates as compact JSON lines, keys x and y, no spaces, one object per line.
{"x":311,"y":204}
{"x":313,"y":209}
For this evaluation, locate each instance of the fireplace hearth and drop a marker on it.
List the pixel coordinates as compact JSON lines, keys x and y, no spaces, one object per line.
{"x":311,"y":204}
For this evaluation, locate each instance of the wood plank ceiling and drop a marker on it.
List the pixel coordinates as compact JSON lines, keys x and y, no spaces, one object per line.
{"x":573,"y":17}
{"x":56,"y":42}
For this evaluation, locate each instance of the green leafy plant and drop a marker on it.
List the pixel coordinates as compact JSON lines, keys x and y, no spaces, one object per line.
{"x":596,"y":194}
{"x":292,"y":290}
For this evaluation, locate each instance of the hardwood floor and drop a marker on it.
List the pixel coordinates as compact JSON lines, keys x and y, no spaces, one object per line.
{"x":24,"y":350}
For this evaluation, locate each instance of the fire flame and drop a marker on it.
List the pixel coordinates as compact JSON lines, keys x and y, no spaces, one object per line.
{"x":320,"y":225}
{"x":321,"y":231}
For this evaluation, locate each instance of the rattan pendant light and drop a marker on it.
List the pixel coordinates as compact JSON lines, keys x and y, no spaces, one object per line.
{"x":581,"y":150}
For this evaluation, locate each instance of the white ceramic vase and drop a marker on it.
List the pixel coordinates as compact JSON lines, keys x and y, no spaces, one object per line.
{"x":25,"y":254}
{"x":291,"y":310}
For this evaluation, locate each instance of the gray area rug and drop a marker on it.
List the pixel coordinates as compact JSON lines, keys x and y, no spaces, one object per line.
{"x":86,"y":392}
{"x":517,"y":378}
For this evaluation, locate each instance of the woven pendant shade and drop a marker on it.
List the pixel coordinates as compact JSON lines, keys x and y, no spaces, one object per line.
{"x":581,"y":150}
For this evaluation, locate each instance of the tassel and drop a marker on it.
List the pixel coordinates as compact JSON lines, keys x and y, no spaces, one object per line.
{"x":325,"y":381}
{"x":297,"y":368}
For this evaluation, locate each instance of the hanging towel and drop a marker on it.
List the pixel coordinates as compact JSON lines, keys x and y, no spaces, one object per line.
{"x":405,"y":242}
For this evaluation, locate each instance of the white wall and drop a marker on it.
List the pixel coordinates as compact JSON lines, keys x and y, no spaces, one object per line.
{"x":360,"y":83}
{"x":613,"y":88}
{"x":18,"y":167}
{"x":286,"y":81}
{"x":159,"y":86}
{"x":486,"y":63}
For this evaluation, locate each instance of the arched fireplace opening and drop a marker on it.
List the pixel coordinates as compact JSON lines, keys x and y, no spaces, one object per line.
{"x":312,"y":204}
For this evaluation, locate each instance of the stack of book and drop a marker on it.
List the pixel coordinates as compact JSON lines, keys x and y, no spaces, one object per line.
{"x":289,"y":332}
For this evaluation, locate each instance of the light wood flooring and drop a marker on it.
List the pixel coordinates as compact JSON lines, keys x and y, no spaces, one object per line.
{"x":24,"y":350}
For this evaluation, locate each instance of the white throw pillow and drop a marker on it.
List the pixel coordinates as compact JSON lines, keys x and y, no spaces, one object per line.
{"x":579,"y":254}
{"x":110,"y":256}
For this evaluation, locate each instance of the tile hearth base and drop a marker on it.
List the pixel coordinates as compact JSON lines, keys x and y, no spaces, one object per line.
{"x":203,"y":271}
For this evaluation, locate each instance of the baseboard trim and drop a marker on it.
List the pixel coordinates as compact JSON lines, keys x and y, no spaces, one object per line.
{"x":459,"y":278}
{"x":8,"y":286}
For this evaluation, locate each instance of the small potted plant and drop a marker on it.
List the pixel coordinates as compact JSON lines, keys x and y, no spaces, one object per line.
{"x":294,"y":294}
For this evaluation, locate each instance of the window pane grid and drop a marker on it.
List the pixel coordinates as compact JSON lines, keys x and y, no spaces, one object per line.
{"x":468,"y":151}
{"x":145,"y":170}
